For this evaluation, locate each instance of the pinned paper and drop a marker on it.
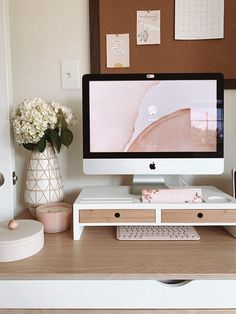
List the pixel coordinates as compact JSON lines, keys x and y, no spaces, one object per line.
{"x":199,"y":19}
{"x":148,"y":27}
{"x":117,"y":50}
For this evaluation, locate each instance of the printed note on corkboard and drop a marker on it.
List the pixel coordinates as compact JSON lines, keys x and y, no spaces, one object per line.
{"x":117,"y":50}
{"x":148,"y":27}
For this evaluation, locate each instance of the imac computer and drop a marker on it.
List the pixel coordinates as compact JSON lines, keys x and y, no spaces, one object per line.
{"x":152,"y":125}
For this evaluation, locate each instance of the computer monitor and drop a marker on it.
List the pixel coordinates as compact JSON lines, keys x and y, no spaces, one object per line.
{"x":153,"y":124}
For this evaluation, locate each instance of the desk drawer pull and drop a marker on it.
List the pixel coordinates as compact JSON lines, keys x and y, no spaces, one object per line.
{"x":200,"y":215}
{"x":117,"y":215}
{"x":174,"y":283}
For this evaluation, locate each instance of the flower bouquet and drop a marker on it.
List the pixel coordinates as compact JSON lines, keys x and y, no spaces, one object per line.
{"x":36,"y":122}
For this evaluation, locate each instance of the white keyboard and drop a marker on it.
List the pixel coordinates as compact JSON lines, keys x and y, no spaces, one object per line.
{"x":156,"y":233}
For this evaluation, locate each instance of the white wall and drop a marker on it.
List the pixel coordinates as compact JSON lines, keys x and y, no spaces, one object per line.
{"x":44,"y":32}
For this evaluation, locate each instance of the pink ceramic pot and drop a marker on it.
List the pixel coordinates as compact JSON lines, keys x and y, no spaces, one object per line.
{"x":56,"y":217}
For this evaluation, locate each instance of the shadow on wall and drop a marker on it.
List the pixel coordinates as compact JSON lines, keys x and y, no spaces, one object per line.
{"x":222,"y":182}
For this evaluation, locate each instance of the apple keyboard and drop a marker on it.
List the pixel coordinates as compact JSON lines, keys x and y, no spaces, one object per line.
{"x":156,"y":233}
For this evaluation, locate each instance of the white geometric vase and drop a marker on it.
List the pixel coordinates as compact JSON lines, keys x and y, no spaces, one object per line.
{"x":43,"y":182}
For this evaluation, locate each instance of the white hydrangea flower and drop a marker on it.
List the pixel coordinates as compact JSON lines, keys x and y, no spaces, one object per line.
{"x":32,"y":117}
{"x":63,"y":111}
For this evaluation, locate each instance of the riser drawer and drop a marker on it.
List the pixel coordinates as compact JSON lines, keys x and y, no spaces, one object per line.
{"x":198,"y":216}
{"x":117,"y":215}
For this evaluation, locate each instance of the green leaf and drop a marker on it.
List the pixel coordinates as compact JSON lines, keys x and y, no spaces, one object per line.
{"x":64,"y":124}
{"x":56,"y":140}
{"x":47,"y":134}
{"x":57,"y":130}
{"x":42,"y":144}
{"x":29,"y":146}
{"x":66,"y":137}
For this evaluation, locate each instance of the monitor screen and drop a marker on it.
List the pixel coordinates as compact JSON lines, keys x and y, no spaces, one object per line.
{"x":153,"y":123}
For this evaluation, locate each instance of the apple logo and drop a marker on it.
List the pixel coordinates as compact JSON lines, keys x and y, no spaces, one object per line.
{"x":152,"y":166}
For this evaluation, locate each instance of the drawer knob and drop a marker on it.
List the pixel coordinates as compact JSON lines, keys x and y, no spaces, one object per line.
{"x":200,"y":215}
{"x":117,"y":215}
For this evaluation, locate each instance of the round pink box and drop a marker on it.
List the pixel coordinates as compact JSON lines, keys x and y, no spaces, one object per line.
{"x":56,"y":217}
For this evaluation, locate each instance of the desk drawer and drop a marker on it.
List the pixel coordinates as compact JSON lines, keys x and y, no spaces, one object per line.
{"x":198,"y":216}
{"x":117,"y":215}
{"x":117,"y":294}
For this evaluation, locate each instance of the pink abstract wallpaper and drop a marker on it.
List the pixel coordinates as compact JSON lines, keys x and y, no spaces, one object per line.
{"x":153,"y":116}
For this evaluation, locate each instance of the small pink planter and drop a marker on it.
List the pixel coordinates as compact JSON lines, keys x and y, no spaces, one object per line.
{"x":56,"y":217}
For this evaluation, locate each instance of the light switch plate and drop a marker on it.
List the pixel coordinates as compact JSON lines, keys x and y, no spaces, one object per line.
{"x":70,"y":75}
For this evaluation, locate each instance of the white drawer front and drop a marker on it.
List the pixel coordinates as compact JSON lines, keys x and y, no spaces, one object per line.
{"x":115,"y":294}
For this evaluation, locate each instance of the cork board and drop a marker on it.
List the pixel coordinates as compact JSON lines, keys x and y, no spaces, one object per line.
{"x":171,"y":56}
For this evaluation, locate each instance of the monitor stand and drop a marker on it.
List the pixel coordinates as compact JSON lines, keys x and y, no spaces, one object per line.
{"x":147,"y":181}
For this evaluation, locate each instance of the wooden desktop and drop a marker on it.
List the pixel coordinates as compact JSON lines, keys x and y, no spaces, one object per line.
{"x":99,"y":258}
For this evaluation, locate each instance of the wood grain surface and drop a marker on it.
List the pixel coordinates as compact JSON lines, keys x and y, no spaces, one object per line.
{"x":99,"y":255}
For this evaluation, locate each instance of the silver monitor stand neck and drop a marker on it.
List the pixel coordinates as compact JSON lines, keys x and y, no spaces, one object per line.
{"x":155,"y":182}
{"x":145,"y":181}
